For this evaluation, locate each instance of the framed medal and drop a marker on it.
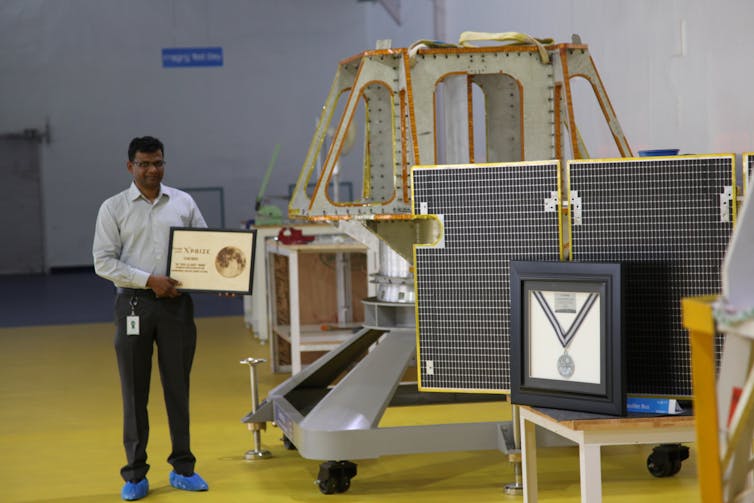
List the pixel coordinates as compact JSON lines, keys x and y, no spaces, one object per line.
{"x":566,"y":336}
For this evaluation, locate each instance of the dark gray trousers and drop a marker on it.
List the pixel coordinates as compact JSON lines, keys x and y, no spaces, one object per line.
{"x":169,"y":325}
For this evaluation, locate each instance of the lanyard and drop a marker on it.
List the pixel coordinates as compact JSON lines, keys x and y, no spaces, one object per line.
{"x":565,"y":337}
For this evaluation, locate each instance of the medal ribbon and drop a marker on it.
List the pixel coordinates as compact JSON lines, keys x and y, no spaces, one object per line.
{"x":566,"y":337}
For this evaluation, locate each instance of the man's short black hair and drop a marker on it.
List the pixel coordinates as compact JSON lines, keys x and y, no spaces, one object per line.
{"x":147,"y":144}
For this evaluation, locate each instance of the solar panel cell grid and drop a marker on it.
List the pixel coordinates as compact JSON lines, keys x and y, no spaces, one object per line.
{"x":662,"y":219}
{"x":492,"y":214}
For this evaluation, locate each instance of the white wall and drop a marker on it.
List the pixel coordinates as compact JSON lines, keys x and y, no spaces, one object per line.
{"x":696,"y":98}
{"x":93,"y":69}
{"x":416,"y":23}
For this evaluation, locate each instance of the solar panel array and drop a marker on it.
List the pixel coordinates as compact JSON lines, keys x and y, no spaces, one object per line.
{"x":748,"y":170}
{"x":491,"y":214}
{"x":669,"y":221}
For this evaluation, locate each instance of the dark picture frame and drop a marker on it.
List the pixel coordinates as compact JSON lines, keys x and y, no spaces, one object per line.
{"x":212,"y":260}
{"x":566,"y":336}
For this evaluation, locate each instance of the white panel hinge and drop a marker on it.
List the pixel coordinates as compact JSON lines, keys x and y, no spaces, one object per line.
{"x":551,"y":203}
{"x":576,"y":207}
{"x":430,"y":367}
{"x":441,"y":242}
{"x":423,"y":208}
{"x":726,"y":198}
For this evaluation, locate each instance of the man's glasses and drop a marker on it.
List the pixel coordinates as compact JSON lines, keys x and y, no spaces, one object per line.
{"x":145,"y":164}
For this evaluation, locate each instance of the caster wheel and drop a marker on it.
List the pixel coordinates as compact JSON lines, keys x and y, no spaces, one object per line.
{"x":666,"y":459}
{"x":288,"y":444}
{"x":658,"y":467}
{"x":343,"y":484}
{"x":335,"y":476}
{"x":328,"y":486}
{"x":676,"y":468}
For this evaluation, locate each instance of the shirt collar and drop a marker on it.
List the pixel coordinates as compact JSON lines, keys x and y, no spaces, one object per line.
{"x":134,"y":193}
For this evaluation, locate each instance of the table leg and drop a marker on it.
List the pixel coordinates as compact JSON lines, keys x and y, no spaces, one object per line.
{"x":294,"y":312}
{"x":529,"y":459}
{"x":590,"y":468}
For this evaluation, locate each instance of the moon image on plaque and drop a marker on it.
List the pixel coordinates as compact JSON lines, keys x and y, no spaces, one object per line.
{"x":230,"y":262}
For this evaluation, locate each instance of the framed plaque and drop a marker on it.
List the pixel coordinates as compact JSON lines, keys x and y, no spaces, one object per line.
{"x":566,"y":336}
{"x":212,"y":260}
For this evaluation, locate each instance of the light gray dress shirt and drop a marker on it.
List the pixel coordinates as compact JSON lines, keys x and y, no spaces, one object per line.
{"x":132,"y":234}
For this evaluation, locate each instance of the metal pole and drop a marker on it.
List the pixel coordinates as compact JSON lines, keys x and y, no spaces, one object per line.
{"x":256,"y":428}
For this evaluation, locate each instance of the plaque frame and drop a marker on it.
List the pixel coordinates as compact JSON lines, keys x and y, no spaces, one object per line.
{"x":207,"y":277}
{"x":606,"y":393}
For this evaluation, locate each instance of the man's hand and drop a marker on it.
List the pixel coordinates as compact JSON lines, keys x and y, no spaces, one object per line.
{"x":163,"y":286}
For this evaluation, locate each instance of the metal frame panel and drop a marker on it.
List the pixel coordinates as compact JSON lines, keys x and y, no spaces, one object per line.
{"x":527,"y":101}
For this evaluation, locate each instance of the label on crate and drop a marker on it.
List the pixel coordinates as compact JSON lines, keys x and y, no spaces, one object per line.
{"x":653,"y":405}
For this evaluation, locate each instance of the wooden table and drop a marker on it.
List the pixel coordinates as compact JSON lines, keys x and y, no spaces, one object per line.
{"x":591,"y":435}
{"x":301,"y":334}
{"x":256,"y":305}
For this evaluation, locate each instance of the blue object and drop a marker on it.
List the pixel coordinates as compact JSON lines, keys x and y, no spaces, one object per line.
{"x":135,"y":490}
{"x":658,"y":152}
{"x":653,"y":405}
{"x":176,"y":57}
{"x":191,"y":483}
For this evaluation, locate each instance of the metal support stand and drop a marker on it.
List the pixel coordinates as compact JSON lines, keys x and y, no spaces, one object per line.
{"x":516,"y":487}
{"x":256,"y":427}
{"x":331,"y":410}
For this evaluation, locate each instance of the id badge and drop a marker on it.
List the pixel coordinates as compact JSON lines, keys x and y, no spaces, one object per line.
{"x":132,"y":325}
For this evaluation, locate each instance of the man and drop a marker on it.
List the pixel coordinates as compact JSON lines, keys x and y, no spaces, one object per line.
{"x":130,"y":249}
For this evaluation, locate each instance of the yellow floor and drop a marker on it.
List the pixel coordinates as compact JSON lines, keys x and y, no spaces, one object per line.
{"x":60,"y":435}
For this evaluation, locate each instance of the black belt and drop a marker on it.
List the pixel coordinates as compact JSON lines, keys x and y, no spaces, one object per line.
{"x":143,"y":292}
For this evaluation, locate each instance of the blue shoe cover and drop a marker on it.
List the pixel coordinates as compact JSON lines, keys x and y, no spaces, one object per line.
{"x":135,"y":490}
{"x":191,"y":483}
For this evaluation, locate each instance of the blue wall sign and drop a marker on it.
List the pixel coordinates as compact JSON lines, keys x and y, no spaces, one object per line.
{"x":174,"y":57}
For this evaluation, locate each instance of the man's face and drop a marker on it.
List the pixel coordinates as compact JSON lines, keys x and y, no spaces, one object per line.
{"x":147,"y":169}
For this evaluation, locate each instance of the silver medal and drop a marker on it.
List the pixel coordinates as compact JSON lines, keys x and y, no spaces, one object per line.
{"x":566,"y":367}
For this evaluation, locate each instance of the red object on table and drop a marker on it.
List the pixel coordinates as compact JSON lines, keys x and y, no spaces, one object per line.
{"x":291,"y":236}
